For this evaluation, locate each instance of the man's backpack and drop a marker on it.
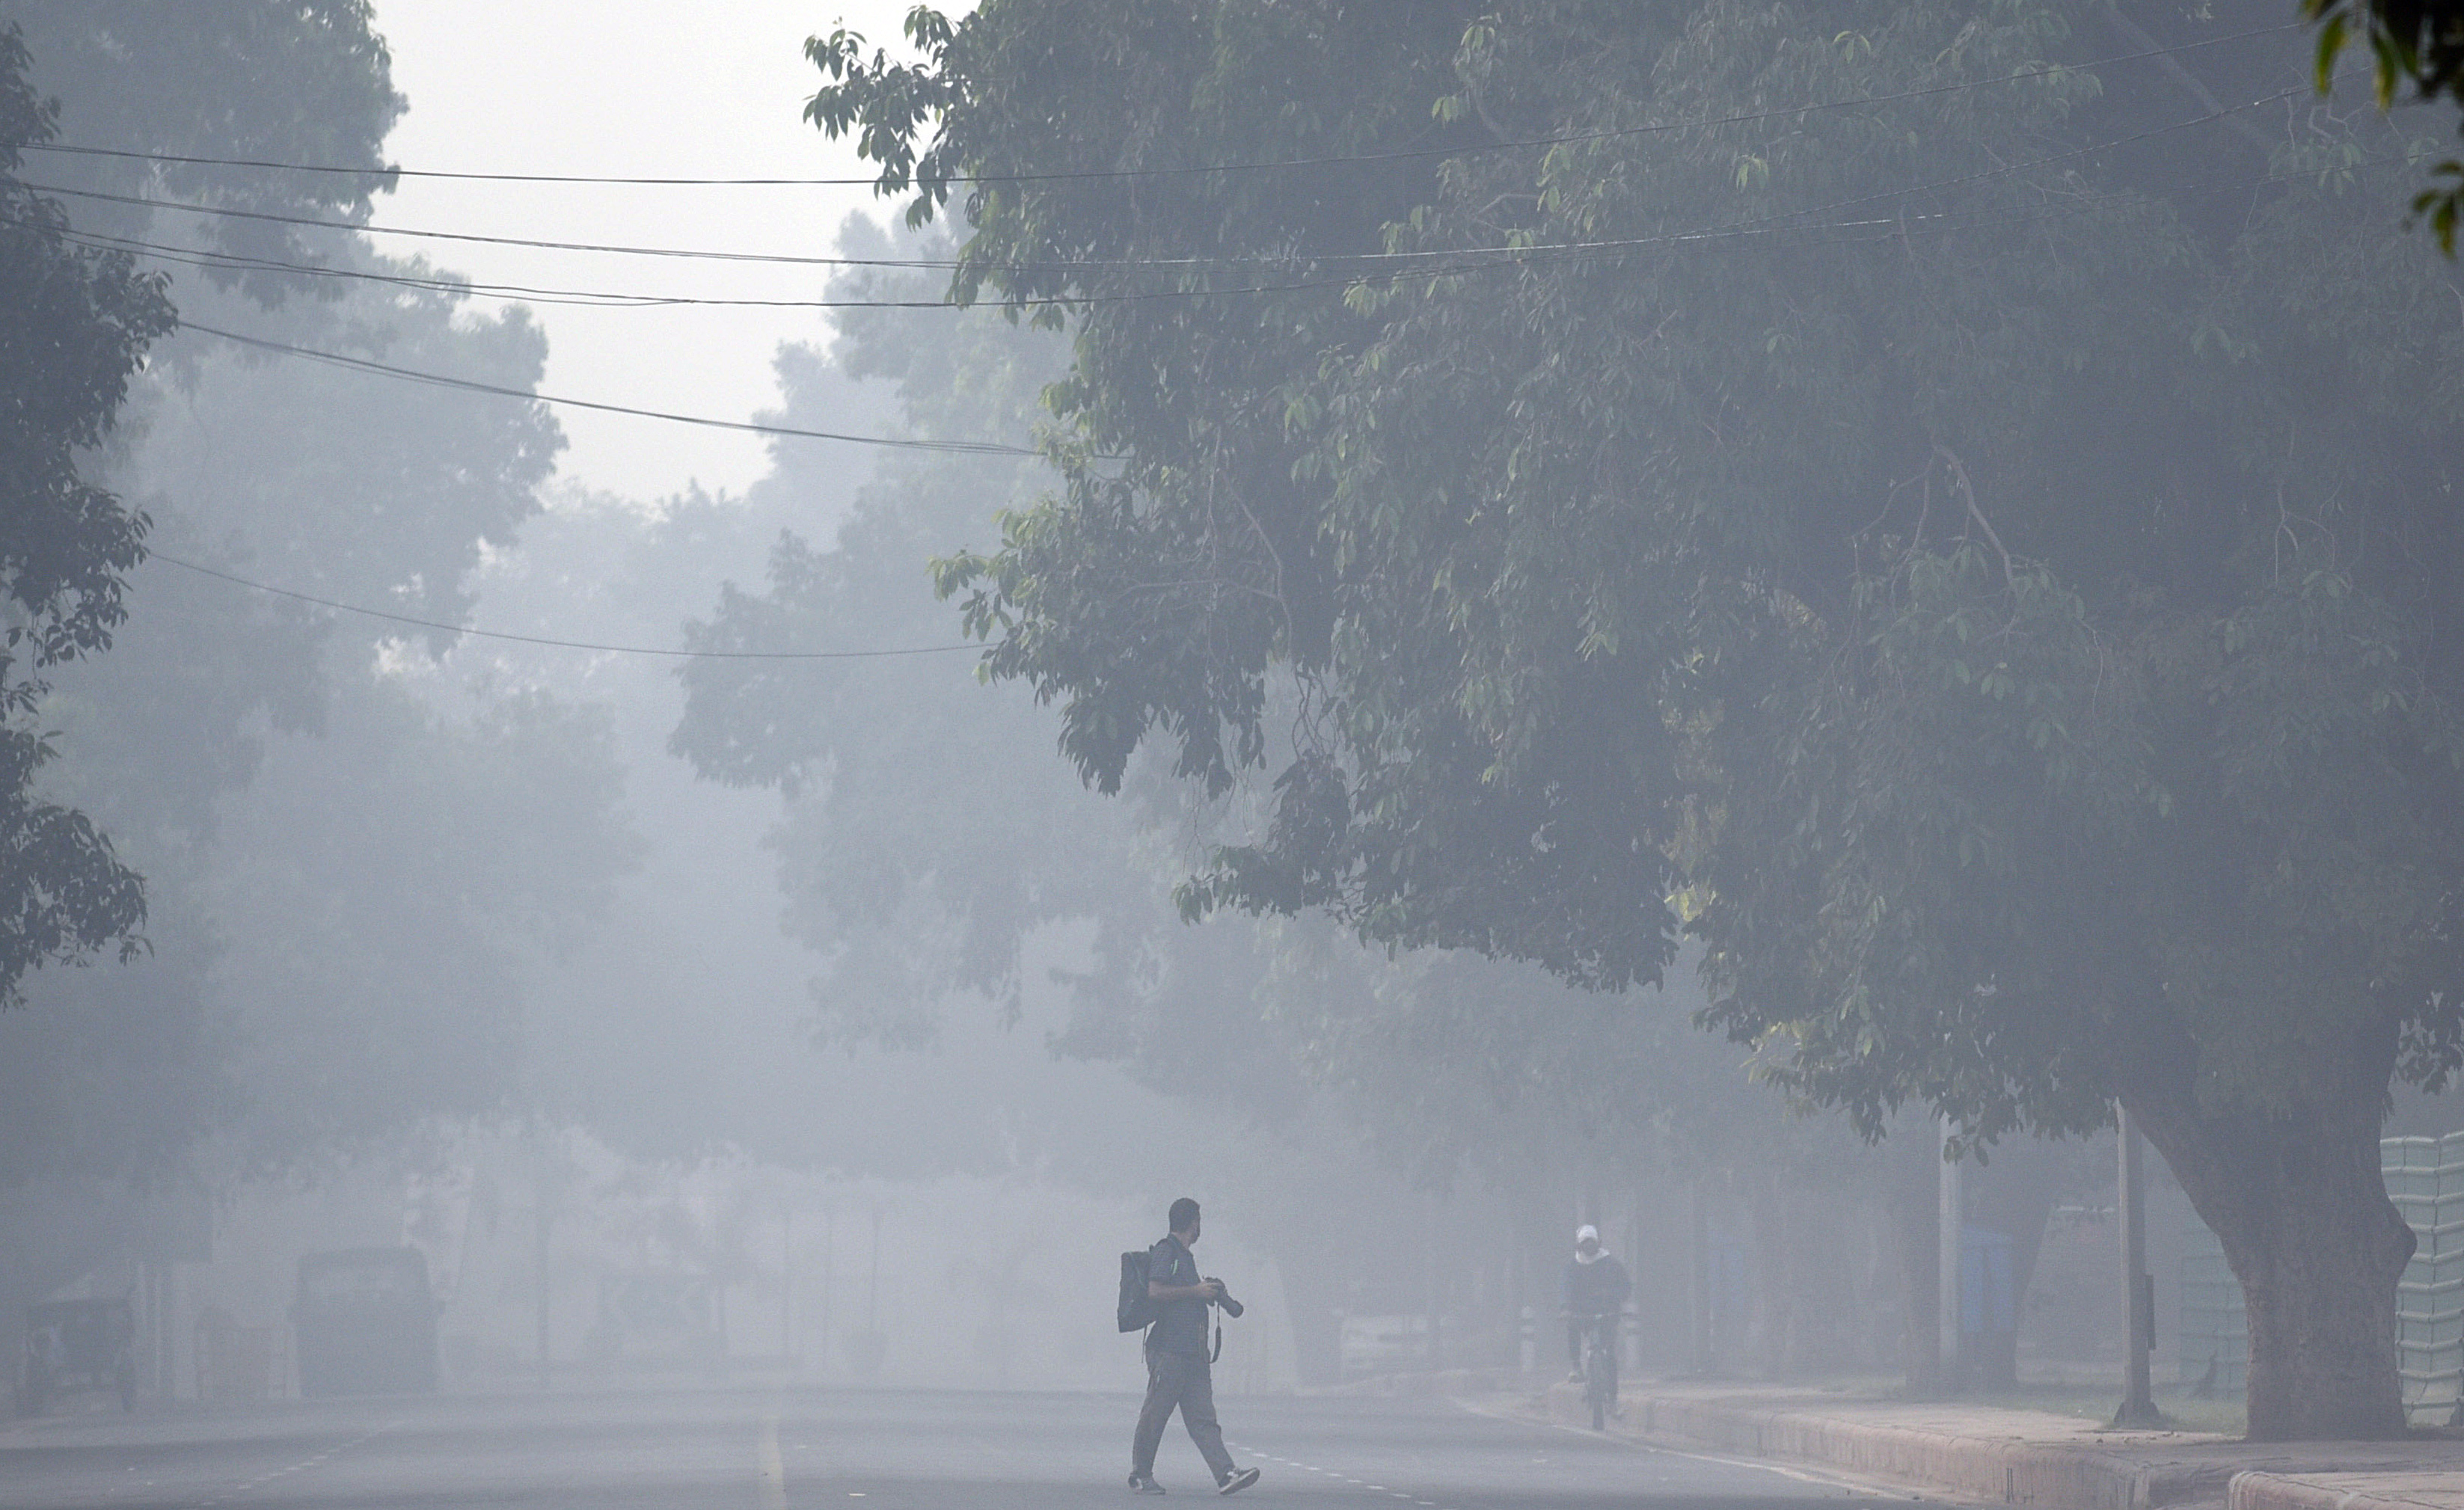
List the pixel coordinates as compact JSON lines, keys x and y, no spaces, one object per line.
{"x":1136,"y":1312}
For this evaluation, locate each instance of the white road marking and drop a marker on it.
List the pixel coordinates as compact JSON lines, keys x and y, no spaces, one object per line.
{"x":1328,"y":1473}
{"x":262,"y":1479}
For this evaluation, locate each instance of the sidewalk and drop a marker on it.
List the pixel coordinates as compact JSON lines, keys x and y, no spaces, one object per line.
{"x":1985,"y":1455}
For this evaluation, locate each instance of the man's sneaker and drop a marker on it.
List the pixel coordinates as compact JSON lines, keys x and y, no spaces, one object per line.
{"x":1239,"y":1478}
{"x":1144,"y":1484}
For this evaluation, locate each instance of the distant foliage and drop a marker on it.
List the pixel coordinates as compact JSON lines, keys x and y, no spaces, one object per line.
{"x":347,"y":892}
{"x":277,"y":80}
{"x":908,"y":891}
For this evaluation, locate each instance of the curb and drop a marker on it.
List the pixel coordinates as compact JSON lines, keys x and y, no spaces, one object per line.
{"x":1975,"y":1468}
{"x":2147,"y":1470}
{"x":2264,"y":1491}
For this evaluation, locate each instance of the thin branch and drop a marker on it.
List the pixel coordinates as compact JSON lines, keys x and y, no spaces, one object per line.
{"x":1967,"y":492}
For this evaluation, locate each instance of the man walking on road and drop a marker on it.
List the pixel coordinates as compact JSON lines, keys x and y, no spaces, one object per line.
{"x":1179,"y":1374}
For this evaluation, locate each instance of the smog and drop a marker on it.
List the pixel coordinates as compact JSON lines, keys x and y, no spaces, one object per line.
{"x":1640,"y":749}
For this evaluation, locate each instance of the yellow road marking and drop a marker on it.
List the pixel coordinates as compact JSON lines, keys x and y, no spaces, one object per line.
{"x":774,"y":1471}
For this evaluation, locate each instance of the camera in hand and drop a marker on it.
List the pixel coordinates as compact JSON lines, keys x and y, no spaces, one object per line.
{"x":1224,"y":1297}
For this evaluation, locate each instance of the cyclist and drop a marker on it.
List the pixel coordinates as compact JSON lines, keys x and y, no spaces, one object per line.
{"x":1596,"y":1289}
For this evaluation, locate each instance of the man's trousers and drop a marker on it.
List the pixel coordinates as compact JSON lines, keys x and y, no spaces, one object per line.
{"x":1182,"y":1381}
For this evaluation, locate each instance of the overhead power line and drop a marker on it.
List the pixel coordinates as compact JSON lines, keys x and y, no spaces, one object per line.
{"x":190,"y":256}
{"x":1078,"y":175}
{"x":452,"y":284}
{"x":1759,"y":226}
{"x":447,"y":283}
{"x":1535,"y":253}
{"x":1497,"y":257}
{"x":794,"y":259}
{"x":500,"y":390}
{"x":414,"y":233}
{"x":562,"y":645}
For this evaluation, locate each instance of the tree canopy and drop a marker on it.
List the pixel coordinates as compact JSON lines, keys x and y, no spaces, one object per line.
{"x":870,"y":753}
{"x":278,"y":80}
{"x":2415,"y":47}
{"x":75,"y":325}
{"x":327,"y":966}
{"x":1964,"y":532}
{"x":931,"y":860}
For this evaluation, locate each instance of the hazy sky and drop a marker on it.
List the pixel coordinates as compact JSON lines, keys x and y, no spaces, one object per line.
{"x":563,"y":86}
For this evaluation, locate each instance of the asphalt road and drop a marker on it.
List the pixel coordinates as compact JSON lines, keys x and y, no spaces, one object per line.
{"x":848,"y":1450}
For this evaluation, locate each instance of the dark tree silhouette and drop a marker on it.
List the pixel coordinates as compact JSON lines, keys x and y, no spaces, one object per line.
{"x":75,"y":324}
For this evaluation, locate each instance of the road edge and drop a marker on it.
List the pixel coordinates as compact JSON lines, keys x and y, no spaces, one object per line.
{"x":1941,"y":1465}
{"x":2259,"y":1489}
{"x":1500,"y":1408}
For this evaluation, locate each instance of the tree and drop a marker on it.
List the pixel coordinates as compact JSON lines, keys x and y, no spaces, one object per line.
{"x":930,"y":858}
{"x":2415,"y":43}
{"x":349,"y":894}
{"x":385,"y":887}
{"x":225,"y":738}
{"x":885,"y":875}
{"x":272,"y":80}
{"x":75,"y":324}
{"x":371,"y":875}
{"x":1830,"y":480}
{"x":342,"y":484}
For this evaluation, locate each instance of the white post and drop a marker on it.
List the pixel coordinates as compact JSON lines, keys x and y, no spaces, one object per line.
{"x":1951,"y":1215}
{"x":2138,"y":1292}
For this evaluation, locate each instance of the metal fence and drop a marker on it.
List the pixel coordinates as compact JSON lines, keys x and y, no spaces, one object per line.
{"x":2425,"y":1178}
{"x":2215,"y":1329}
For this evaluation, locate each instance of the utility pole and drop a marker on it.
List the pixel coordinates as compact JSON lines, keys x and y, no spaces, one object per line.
{"x":543,"y":1214}
{"x":1952,"y":1214}
{"x":872,"y":1286}
{"x":2138,"y":1285}
{"x":1698,"y":1273}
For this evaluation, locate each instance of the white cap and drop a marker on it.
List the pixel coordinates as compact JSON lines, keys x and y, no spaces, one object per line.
{"x":1586,"y":1233}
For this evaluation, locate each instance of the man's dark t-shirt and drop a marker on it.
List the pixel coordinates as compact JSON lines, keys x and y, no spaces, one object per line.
{"x":1180,"y":1325}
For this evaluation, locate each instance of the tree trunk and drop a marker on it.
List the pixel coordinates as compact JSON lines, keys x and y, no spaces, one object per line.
{"x":1315,"y":1293}
{"x":2015,"y":1195}
{"x":2297,"y":1202}
{"x":1774,"y":1272}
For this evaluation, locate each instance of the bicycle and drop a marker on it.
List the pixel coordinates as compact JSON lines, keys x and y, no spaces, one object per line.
{"x":1601,"y":1369}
